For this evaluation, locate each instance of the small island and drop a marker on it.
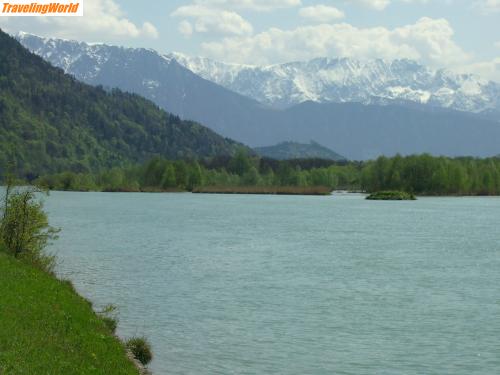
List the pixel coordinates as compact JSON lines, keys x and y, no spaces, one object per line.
{"x":391,"y":196}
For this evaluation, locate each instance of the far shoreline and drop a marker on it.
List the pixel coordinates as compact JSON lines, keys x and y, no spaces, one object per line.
{"x":332,"y":193}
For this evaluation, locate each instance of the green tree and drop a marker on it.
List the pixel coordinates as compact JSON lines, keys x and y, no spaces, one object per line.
{"x":113,"y":179}
{"x":240,"y":163}
{"x":153,"y":172}
{"x":181,"y":174}
{"x":168,"y":179}
{"x":24,"y":229}
{"x":251,"y":177}
{"x":195,"y":176}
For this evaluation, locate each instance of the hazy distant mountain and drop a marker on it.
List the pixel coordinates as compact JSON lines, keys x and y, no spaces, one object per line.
{"x":349,"y":80}
{"x":294,"y":150}
{"x":354,"y":130}
{"x":360,"y":131}
{"x":492,"y":114}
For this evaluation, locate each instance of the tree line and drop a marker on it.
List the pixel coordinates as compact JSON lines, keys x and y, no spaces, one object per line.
{"x":419,"y":174}
{"x":428,"y":175}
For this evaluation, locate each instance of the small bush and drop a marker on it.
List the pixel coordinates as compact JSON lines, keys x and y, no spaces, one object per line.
{"x":24,"y":227}
{"x":110,"y":322}
{"x":109,"y":316}
{"x":141,"y":349}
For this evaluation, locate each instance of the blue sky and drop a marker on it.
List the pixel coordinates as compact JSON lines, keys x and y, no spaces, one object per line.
{"x":455,"y":34}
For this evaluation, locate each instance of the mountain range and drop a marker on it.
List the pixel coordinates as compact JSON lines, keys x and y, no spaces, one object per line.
{"x":342,"y":80}
{"x":359,"y":109}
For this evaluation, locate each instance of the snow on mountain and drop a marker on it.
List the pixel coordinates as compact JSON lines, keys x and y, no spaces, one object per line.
{"x":347,"y":80}
{"x":67,"y":55}
{"x":338,"y":80}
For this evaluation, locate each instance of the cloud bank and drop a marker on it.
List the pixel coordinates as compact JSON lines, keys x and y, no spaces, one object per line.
{"x":429,"y":41}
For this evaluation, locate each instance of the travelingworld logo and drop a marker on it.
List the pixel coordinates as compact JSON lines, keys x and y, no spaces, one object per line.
{"x":41,"y":8}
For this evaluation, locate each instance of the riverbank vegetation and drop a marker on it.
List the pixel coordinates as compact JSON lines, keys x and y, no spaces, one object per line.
{"x":428,"y":175}
{"x":141,"y":349}
{"x":417,"y":174}
{"x":45,"y":326}
{"x":240,"y":171}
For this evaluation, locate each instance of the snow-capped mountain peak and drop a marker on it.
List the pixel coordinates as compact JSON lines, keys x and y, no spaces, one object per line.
{"x":349,"y":80}
{"x":322,"y":79}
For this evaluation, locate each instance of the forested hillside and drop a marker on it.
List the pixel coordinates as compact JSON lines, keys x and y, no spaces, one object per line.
{"x":50,"y":122}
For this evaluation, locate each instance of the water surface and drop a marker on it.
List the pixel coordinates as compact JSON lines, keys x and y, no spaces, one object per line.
{"x":227,"y":284}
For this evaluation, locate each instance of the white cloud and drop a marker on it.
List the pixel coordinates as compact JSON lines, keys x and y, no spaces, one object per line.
{"x":497,"y":44}
{"x":429,"y":41}
{"x":321,"y":13}
{"x":488,"y":6}
{"x":255,"y":5}
{"x":211,"y":21}
{"x":103,"y":21}
{"x":375,"y":4}
{"x":382,"y":4}
{"x":489,"y":70}
{"x":185,"y":28}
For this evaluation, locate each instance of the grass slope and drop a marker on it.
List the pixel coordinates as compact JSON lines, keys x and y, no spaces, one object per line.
{"x":46,"y":328}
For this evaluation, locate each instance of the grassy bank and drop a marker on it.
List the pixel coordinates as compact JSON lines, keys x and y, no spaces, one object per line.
{"x":47,"y":328}
{"x":273,"y":190}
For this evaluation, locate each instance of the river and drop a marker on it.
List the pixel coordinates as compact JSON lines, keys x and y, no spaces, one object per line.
{"x":225,"y":284}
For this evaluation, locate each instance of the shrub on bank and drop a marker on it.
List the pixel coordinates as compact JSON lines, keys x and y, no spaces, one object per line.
{"x":109,"y":317}
{"x":24,"y":227}
{"x":141,"y":349}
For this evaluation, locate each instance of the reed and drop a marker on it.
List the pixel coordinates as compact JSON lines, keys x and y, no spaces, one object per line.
{"x":271,"y":190}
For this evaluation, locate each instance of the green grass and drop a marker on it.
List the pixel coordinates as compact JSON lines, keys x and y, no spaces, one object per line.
{"x":46,"y":328}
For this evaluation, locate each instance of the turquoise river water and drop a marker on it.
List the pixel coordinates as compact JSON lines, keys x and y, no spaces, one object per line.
{"x":224,"y":284}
